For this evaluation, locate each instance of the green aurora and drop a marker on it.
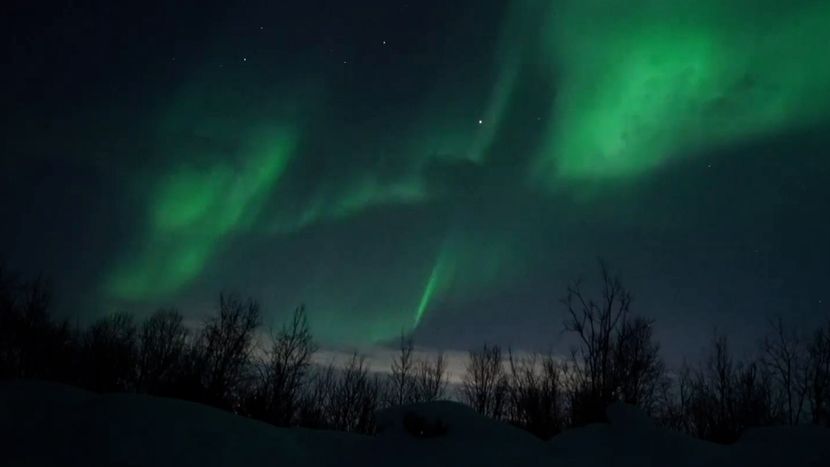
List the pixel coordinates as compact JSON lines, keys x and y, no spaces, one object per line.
{"x":669,"y":80}
{"x":637,"y":86}
{"x":194,"y":209}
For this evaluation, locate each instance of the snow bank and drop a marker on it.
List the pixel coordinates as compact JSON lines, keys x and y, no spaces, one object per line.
{"x":467,"y":438}
{"x":80,"y":428}
{"x":632,"y":439}
{"x":43,"y":424}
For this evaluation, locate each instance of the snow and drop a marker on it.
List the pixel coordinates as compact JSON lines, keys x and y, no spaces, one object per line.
{"x":632,"y":439}
{"x":139,"y":430}
{"x":470,"y":439}
{"x":44,"y":424}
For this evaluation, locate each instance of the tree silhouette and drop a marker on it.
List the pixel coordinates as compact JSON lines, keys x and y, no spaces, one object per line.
{"x":817,"y":375}
{"x":536,"y":399}
{"x":402,"y":388}
{"x":722,"y":397}
{"x":484,"y":385}
{"x":109,"y":351}
{"x":276,"y":396}
{"x":355,"y":397}
{"x":430,"y":378}
{"x":162,"y":346}
{"x":32,"y":345}
{"x":222,"y":354}
{"x":784,"y":359}
{"x":616,"y":357}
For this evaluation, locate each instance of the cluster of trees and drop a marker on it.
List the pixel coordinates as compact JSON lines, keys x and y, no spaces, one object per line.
{"x":787,"y":383}
{"x":616,"y":358}
{"x":225,"y":363}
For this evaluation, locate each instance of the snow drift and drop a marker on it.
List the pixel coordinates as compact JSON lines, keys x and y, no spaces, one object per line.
{"x":45,"y":424}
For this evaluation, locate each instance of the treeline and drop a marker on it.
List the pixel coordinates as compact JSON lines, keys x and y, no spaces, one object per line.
{"x":225,"y":364}
{"x":616,"y":358}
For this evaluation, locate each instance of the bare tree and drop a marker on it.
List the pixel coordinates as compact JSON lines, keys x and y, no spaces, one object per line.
{"x":817,"y":376}
{"x":638,"y":369}
{"x":716,"y":386}
{"x":784,"y":359}
{"x":109,"y":354}
{"x":676,"y":400}
{"x":283,"y":372}
{"x":754,"y":403}
{"x":722,"y":397}
{"x":705,"y":394}
{"x":31,"y":344}
{"x":430,"y":378}
{"x":616,"y":357}
{"x":341,"y":398}
{"x":355,"y":398}
{"x":223,"y":352}
{"x":414,"y":379}
{"x":402,"y":382}
{"x":162,"y":344}
{"x":535,"y":394}
{"x":484,"y":384}
{"x":317,"y":398}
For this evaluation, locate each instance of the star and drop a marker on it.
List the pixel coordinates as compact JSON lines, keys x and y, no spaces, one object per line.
{"x":481,"y":122}
{"x":244,"y":59}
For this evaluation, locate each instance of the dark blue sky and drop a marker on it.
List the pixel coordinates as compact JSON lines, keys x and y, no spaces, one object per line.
{"x":405,"y":190}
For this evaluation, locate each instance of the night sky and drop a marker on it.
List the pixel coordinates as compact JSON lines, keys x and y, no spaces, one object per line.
{"x":437,"y":167}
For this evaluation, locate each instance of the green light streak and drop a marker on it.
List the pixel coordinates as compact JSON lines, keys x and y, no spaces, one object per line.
{"x":467,"y":263}
{"x":429,"y":291}
{"x":635,"y":86}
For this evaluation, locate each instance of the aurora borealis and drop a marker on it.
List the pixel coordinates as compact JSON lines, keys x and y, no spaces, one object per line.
{"x":193,"y":209}
{"x":674,"y":78}
{"x":421,"y":167}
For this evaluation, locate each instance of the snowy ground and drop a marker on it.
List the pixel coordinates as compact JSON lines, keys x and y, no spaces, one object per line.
{"x":43,"y":424}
